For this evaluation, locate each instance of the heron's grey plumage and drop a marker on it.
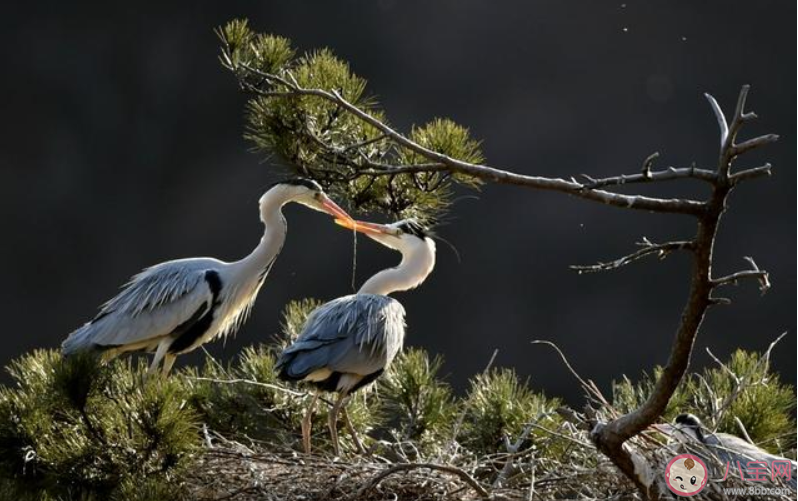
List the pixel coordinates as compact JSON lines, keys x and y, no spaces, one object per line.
{"x":357,"y":335}
{"x":151,"y":305}
{"x":174,"y":307}
{"x":348,"y":342}
{"x":726,"y":447}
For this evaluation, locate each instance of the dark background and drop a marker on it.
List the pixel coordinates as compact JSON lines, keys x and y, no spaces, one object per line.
{"x":121,"y":146}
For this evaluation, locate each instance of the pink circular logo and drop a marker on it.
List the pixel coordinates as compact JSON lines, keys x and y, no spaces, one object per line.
{"x":686,"y":475}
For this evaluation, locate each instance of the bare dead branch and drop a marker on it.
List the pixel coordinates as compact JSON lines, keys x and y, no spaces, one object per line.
{"x":719,"y":301}
{"x":661,"y":250}
{"x":648,"y":163}
{"x":753,"y":173}
{"x":669,"y":174}
{"x":610,"y":438}
{"x":762,"y":276}
{"x":757,"y":142}
{"x":722,"y":125}
{"x":452,"y":470}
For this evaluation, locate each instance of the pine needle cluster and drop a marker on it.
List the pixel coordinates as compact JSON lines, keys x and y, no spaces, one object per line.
{"x":292,"y":114}
{"x":73,"y":429}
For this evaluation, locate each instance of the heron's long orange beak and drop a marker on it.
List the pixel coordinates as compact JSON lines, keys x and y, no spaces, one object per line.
{"x":334,"y":210}
{"x":365,"y":227}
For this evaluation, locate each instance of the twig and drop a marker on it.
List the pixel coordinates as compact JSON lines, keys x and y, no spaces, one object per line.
{"x":742,"y":429}
{"x":661,"y":250}
{"x":761,"y":275}
{"x":453,"y":470}
{"x":568,"y":366}
{"x":250,"y":382}
{"x":756,"y":142}
{"x":461,"y":417}
{"x":563,"y":437}
{"x":753,"y":173}
{"x":722,"y":124}
{"x":531,"y":479}
{"x":512,"y":449}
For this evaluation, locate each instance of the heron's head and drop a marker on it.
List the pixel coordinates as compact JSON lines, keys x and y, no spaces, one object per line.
{"x":302,"y":191}
{"x":688,"y":426}
{"x":410,"y":238}
{"x":407,"y":236}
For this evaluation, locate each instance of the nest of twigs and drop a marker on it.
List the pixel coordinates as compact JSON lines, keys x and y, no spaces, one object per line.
{"x":235,"y":471}
{"x":230,"y":470}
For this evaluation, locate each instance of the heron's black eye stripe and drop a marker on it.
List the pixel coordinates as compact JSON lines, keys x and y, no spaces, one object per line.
{"x":414,"y":228}
{"x":300,"y":181}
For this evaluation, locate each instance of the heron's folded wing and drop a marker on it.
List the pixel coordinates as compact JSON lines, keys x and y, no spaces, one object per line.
{"x":153,"y":304}
{"x":358,"y":333}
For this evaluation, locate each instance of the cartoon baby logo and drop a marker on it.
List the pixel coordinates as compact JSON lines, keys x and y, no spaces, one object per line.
{"x":686,"y":475}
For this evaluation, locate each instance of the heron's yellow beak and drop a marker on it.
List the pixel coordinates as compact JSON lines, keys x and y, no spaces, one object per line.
{"x":366,"y":227}
{"x":334,"y":210}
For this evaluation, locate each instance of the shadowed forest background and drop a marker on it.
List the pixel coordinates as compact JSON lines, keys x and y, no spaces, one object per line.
{"x":121,"y":146}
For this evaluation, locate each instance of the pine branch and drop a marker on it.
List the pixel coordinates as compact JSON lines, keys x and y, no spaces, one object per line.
{"x":482,"y":172}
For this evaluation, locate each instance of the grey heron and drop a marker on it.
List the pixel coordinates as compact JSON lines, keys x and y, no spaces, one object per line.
{"x":174,"y":307}
{"x":348,"y":342}
{"x":728,"y":448}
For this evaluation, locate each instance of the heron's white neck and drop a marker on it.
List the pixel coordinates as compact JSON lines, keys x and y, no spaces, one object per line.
{"x":416,"y":265}
{"x":275,"y":230}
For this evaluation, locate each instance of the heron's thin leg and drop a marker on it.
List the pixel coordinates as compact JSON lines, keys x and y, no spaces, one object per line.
{"x":168,"y":362}
{"x":360,"y":449}
{"x":306,"y":424}
{"x":163,"y":346}
{"x":332,"y":422}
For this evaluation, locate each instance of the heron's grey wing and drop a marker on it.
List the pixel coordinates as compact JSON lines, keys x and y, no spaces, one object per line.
{"x":153,"y":304}
{"x":360,"y":334}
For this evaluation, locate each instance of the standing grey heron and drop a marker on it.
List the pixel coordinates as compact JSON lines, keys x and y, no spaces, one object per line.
{"x":729,"y":448}
{"x":174,"y":307}
{"x":348,"y":342}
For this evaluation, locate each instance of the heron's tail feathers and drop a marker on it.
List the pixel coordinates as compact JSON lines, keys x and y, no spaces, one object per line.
{"x":296,"y":366}
{"x":80,"y":341}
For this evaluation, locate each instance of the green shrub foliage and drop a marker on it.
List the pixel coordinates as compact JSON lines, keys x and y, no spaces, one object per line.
{"x":416,"y":401}
{"x":77,"y":429}
{"x":499,"y":407}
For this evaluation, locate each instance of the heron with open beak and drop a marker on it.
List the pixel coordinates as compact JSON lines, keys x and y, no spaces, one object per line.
{"x":350,"y":341}
{"x":174,"y":307}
